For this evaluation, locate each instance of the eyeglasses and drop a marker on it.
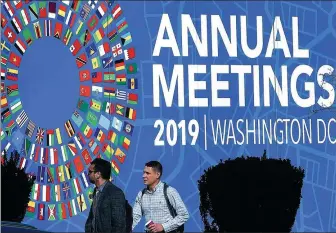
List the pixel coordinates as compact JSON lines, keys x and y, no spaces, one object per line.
{"x":90,"y":171}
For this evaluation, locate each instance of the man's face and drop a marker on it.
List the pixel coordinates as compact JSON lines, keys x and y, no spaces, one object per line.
{"x":150,"y":176}
{"x":92,"y":174}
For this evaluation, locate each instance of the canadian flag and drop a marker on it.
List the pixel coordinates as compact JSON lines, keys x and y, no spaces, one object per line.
{"x":129,"y":53}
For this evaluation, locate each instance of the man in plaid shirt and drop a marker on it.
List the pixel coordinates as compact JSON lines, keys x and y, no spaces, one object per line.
{"x":152,"y":204}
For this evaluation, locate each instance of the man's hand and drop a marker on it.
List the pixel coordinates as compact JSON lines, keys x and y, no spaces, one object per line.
{"x":156,"y":227}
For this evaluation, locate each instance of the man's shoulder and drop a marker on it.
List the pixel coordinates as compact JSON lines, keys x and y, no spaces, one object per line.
{"x":111,"y":188}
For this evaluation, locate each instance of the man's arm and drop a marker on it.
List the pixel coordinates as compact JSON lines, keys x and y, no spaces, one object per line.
{"x":181,"y":211}
{"x":118,"y":211}
{"x":137,"y":212}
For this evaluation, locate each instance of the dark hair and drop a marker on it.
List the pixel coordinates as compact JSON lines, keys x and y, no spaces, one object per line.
{"x":156,"y":165}
{"x":16,"y":188}
{"x":102,"y":166}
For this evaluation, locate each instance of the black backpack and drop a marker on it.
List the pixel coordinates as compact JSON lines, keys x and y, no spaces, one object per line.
{"x":129,"y":217}
{"x":170,"y":207}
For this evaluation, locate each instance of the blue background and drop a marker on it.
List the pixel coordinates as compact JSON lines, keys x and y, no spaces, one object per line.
{"x":183,"y":165}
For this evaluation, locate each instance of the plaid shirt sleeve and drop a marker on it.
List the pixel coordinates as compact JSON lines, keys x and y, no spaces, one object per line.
{"x":181,"y":210}
{"x":137,"y":213}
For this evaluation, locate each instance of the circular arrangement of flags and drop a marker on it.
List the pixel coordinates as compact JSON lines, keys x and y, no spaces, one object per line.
{"x":102,"y":123}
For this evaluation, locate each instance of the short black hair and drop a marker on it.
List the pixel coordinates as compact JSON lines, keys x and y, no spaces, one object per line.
{"x":102,"y":166}
{"x":156,"y":165}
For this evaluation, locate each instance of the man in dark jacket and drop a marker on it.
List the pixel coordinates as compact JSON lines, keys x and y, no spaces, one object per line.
{"x":107,"y":213}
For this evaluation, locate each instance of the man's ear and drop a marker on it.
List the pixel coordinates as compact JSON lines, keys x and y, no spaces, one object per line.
{"x":158,"y":174}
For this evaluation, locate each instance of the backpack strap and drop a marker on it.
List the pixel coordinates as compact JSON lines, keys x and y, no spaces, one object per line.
{"x":170,"y":207}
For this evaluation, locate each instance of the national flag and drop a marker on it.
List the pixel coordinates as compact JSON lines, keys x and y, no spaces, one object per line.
{"x":66,"y":190}
{"x":4,"y":102}
{"x":6,"y":148}
{"x":112,"y":136}
{"x":61,"y":13}
{"x":81,"y":60}
{"x":86,"y":130}
{"x":72,"y":208}
{"x":3,"y":20}
{"x":40,"y":211}
{"x":31,"y":155}
{"x":47,"y":27}
{"x":78,"y":142}
{"x":10,"y":128}
{"x":50,"y":173}
{"x":108,"y":150}
{"x":112,"y":35}
{"x":50,"y":137}
{"x":121,"y":95}
{"x":132,"y":98}
{"x":92,"y":119}
{"x":92,"y":23}
{"x":107,"y":62}
{"x":68,"y":170}
{"x":121,"y":25}
{"x":4,"y":59}
{"x":92,"y":3}
{"x":120,"y":155}
{"x":130,"y":113}
{"x":84,"y":91}
{"x":22,"y":163}
{"x":129,"y":53}
{"x":44,"y":156}
{"x":104,"y":49}
{"x":40,"y":173}
{"x":16,"y":24}
{"x":53,"y":156}
{"x":27,"y":36}
{"x":131,"y":68}
{"x":51,"y":212}
{"x":81,"y":203}
{"x":46,"y":193}
{"x":30,"y":209}
{"x":52,"y":10}
{"x":27,"y":145}
{"x":109,"y":92}
{"x":78,"y":164}
{"x":25,"y":17}
{"x":80,"y":138}
{"x":58,"y":136}
{"x":104,"y":122}
{"x":15,"y":105}
{"x":15,"y":59}
{"x":101,"y":10}
{"x":39,"y":135}
{"x":121,"y":79}
{"x":86,"y":156}
{"x":9,"y":9}
{"x":70,"y":20}
{"x":128,"y":128}
{"x":125,"y":142}
{"x":20,"y":46}
{"x":82,"y":105}
{"x":97,"y":77}
{"x":72,"y":147}
{"x":95,"y":105}
{"x":84,"y":179}
{"x":85,"y":11}
{"x":97,"y":91}
{"x":57,"y":193}
{"x":79,"y":26}
{"x":119,"y":64}
{"x":98,"y":35}
{"x":5,"y":48}
{"x":42,"y":9}
{"x":108,"y":108}
{"x":91,"y":49}
{"x":75,"y":5}
{"x":36,"y":192}
{"x":2,"y":85}
{"x":58,"y":30}
{"x":67,"y":37}
{"x":66,"y":2}
{"x":95,"y":63}
{"x":30,"y":129}
{"x":116,"y":11}
{"x":126,"y":39}
{"x":75,"y":47}
{"x":76,"y":117}
{"x":17,"y":4}
{"x":22,"y":118}
{"x":116,"y":123}
{"x":64,"y":151}
{"x":109,"y":77}
{"x":69,"y":128}
{"x":37,"y":30}
{"x":76,"y":188}
{"x":33,"y":12}
{"x":84,"y":75}
{"x":3,"y":75}
{"x":116,"y":50}
{"x":120,"y":110}
{"x":115,"y":167}
{"x":85,"y":37}
{"x":12,"y":74}
{"x":61,"y":207}
{"x":9,"y":34}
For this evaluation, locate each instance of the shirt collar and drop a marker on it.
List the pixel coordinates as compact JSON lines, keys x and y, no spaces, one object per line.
{"x":101,"y":187}
{"x":158,"y":185}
